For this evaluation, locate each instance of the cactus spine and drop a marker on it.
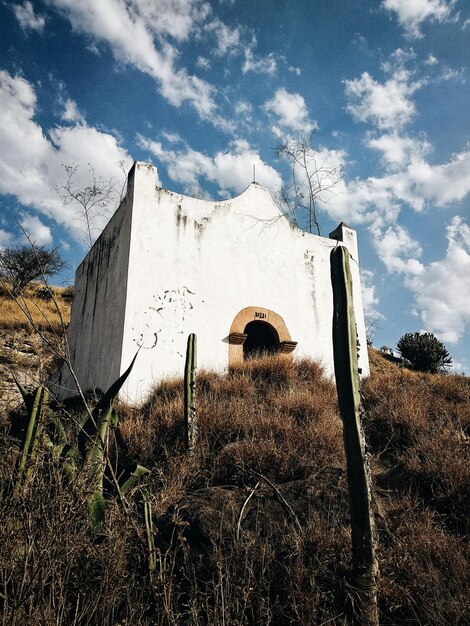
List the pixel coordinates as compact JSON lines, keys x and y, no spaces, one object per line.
{"x":365,"y":567}
{"x":190,"y":417}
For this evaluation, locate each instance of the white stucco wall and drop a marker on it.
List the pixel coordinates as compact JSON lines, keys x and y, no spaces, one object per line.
{"x":193,"y":265}
{"x":99,"y":308}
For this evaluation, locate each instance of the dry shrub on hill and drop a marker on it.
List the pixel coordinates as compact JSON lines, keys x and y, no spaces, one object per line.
{"x":418,"y":426}
{"x":425,"y":573}
{"x":271,"y":415}
{"x":228,"y":553}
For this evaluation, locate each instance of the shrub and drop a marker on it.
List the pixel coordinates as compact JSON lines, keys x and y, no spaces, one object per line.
{"x":67,"y":293}
{"x":44,"y":293}
{"x":22,"y":265}
{"x":424,"y":352}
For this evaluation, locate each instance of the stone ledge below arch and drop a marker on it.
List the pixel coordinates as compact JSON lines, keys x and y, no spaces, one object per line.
{"x":250,"y":314}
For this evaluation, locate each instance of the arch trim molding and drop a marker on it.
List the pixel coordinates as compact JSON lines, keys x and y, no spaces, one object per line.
{"x":250,"y":314}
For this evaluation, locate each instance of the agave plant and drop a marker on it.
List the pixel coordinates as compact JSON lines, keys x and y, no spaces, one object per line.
{"x":96,"y":458}
{"x":89,"y":455}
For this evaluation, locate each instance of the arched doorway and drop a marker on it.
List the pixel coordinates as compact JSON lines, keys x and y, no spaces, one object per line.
{"x":261,"y":338}
{"x":263,"y":329}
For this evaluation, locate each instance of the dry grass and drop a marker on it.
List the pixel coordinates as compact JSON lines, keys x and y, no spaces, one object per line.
{"x":275,"y":418}
{"x":48,"y":315}
{"x":31,"y":338}
{"x":418,"y":426}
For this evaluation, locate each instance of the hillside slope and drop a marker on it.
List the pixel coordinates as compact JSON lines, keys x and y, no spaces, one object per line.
{"x":31,"y":335}
{"x":254,"y":527}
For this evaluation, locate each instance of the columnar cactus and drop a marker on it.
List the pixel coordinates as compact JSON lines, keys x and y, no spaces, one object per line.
{"x":190,"y":417}
{"x":36,"y":403}
{"x":148,"y":519}
{"x":365,"y":567}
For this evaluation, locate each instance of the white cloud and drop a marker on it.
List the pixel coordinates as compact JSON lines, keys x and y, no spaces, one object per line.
{"x":243,"y":112}
{"x":171,"y":137}
{"x":431,"y":60}
{"x":228,"y":39}
{"x":449,"y":73}
{"x":5,"y":238}
{"x":398,"y":250}
{"x":259,"y":65}
{"x":369,"y":296}
{"x":386,"y":105}
{"x":93,"y":48}
{"x":362,"y":202}
{"x":378,"y":200}
{"x":398,"y":151}
{"x":230,"y":170}
{"x":173,"y":18}
{"x":442,"y":288}
{"x":409,"y":179}
{"x":397,"y":62}
{"x":291,"y":112}
{"x":27,"y":18}
{"x":148,"y":35}
{"x":412,"y":13}
{"x":136,"y":30}
{"x":71,"y":112}
{"x":31,"y":161}
{"x":243,"y":107}
{"x":441,"y":184}
{"x":36,"y":232}
{"x":203,"y":63}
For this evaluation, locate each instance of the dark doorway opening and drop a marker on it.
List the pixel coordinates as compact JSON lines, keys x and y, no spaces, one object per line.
{"x":261,"y":338}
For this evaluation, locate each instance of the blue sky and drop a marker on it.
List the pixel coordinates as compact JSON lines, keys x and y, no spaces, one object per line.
{"x":204,"y":90}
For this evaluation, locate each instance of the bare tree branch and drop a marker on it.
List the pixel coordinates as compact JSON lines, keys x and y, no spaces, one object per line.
{"x":96,"y":200}
{"x":312,"y":182}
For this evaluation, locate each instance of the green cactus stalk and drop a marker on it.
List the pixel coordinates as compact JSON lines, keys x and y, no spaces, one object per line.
{"x":365,"y":566}
{"x":190,"y":416}
{"x":148,"y":519}
{"x":50,"y":430}
{"x":133,"y":479}
{"x":36,"y":405}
